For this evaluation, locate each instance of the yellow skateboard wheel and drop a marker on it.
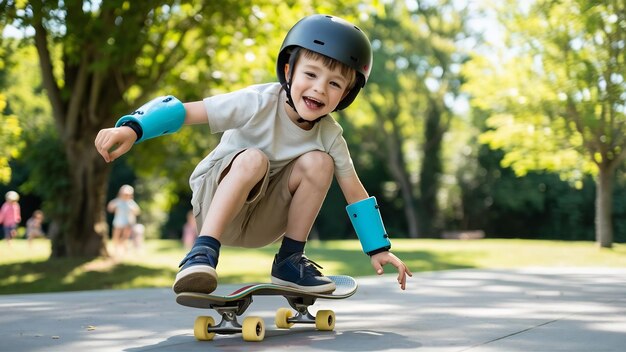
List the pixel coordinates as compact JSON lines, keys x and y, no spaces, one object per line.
{"x":282,"y":316}
{"x":200,"y":328}
{"x":325,"y":320}
{"x":253,"y":329}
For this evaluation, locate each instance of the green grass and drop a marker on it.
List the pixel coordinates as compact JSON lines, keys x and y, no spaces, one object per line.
{"x":25,"y":269}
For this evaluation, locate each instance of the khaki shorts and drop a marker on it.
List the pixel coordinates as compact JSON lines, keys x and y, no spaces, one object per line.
{"x":263,"y":218}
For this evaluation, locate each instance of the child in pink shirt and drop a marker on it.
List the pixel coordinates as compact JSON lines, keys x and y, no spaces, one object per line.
{"x":10,"y":215}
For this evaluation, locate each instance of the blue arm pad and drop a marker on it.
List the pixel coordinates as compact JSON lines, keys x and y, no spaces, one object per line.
{"x":163,"y":115}
{"x":368,"y":225}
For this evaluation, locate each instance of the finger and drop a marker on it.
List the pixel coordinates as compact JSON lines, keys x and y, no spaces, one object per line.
{"x":402,"y":271}
{"x":119,"y":151}
{"x":98,"y":141}
{"x":408,"y":271}
{"x":101,"y":145}
{"x":378,"y":267}
{"x":403,"y":282}
{"x":109,"y":147}
{"x":402,"y":276}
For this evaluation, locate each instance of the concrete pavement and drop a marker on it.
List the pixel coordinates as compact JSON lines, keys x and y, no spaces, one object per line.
{"x":563,"y":309}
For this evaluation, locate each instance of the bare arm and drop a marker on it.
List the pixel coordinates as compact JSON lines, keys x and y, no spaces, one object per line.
{"x":353,"y":191}
{"x":112,"y":205}
{"x":195,"y":113}
{"x":352,"y":188}
{"x":135,"y":208}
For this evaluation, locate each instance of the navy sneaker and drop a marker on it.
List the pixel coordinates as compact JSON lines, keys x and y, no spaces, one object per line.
{"x":197,"y":271}
{"x":300,"y":272}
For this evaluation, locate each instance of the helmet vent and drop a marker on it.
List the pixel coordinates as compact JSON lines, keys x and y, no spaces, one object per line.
{"x":354,"y":59}
{"x":318,"y":42}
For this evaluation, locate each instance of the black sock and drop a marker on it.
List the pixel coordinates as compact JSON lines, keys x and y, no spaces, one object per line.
{"x":209,"y":242}
{"x":289,"y":247}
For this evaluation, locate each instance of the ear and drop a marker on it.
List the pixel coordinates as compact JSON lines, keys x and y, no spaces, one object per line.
{"x":286,"y":71}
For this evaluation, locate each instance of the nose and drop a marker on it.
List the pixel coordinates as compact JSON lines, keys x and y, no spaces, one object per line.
{"x":320,"y":87}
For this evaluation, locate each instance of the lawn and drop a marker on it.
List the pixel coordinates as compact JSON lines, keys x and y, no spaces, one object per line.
{"x":26,"y":269}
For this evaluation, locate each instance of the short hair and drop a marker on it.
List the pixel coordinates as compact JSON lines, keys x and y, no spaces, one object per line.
{"x":330,"y":63}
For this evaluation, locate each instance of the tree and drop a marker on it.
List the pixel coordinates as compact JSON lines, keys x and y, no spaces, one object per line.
{"x":558,"y":93}
{"x":37,"y":143}
{"x":97,"y":59}
{"x":414,"y":79}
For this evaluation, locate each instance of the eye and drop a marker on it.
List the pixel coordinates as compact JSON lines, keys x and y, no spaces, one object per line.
{"x":310,"y":74}
{"x":336,"y":84}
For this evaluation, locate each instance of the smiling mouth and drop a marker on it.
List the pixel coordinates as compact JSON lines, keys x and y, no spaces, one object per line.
{"x":312,"y":103}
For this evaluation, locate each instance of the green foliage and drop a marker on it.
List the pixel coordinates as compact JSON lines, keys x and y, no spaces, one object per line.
{"x":10,"y":130}
{"x":414,"y":83}
{"x":35,"y":146}
{"x":539,"y":205}
{"x":45,"y":157}
{"x":557,"y":95}
{"x":10,"y":146}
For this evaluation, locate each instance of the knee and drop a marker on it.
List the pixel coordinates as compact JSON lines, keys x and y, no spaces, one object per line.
{"x":317,"y":166}
{"x":251,"y":162}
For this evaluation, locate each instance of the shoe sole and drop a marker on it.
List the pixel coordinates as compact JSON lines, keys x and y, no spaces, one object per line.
{"x":327,"y":288}
{"x":196,"y":278}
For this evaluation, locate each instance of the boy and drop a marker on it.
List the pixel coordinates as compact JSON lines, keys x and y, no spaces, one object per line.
{"x":271,"y":171}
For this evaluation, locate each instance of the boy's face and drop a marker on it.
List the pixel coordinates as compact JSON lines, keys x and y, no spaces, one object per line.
{"x":315,"y":89}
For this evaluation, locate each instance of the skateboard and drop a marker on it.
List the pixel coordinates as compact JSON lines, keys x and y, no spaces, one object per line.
{"x":231,"y":305}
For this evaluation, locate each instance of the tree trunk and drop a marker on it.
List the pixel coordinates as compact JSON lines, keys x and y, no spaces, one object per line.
{"x":431,"y":170}
{"x":83,"y":229}
{"x":90,"y":174}
{"x":604,"y":206}
{"x":396,"y":164}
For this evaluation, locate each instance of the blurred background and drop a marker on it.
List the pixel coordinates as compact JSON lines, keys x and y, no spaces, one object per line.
{"x":481,"y":119}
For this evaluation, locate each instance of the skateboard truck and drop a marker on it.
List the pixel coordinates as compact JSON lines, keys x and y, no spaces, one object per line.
{"x":324,"y":320}
{"x":229,"y":323}
{"x":253,"y":328}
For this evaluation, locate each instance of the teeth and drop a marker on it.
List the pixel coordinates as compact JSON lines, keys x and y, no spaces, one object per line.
{"x":314,"y":101}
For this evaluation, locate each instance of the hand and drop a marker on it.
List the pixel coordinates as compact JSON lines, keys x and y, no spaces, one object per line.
{"x":112,"y":143}
{"x":383,"y":258}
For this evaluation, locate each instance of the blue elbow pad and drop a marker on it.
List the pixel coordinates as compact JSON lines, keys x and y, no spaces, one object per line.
{"x":368,"y":225}
{"x":162,"y":115}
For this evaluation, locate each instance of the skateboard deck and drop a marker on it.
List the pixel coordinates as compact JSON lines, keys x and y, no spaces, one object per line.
{"x":234,"y":304}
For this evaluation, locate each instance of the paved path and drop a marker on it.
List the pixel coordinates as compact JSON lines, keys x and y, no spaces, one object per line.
{"x":463,"y":310}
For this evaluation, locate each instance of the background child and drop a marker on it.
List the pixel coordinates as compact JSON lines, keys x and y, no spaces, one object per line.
{"x":137,"y":237}
{"x":10,"y":215}
{"x":34,"y":226}
{"x":270,"y":173}
{"x":190,"y":230}
{"x":125,"y":217}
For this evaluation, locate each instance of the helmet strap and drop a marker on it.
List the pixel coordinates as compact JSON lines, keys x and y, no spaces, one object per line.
{"x":293,"y":56}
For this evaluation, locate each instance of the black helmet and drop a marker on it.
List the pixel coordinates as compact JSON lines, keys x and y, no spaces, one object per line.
{"x":333,"y":37}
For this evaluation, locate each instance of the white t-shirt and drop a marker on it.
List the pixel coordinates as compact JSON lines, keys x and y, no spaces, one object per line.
{"x":255,"y":117}
{"x":126,"y":211}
